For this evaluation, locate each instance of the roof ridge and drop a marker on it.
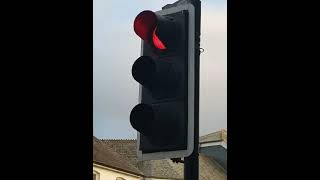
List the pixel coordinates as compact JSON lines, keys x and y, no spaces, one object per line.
{"x":221,"y":131}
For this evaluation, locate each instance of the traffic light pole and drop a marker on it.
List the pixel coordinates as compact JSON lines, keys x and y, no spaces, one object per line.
{"x":191,"y":163}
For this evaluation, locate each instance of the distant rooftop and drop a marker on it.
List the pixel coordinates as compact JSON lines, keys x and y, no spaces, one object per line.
{"x":219,"y":136}
{"x":214,"y":145}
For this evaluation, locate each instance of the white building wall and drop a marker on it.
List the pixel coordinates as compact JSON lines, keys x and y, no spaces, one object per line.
{"x":156,"y":179}
{"x":106,"y":173}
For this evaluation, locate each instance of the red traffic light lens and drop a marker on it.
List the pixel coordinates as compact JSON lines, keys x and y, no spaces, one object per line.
{"x":144,"y":24}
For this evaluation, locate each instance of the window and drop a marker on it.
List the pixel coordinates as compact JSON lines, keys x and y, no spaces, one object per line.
{"x":95,"y":175}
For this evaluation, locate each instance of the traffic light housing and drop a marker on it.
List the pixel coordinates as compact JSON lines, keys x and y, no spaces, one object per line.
{"x":165,"y":71}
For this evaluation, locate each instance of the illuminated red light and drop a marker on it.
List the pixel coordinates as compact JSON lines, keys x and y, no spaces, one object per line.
{"x":156,"y":41}
{"x":144,"y":24}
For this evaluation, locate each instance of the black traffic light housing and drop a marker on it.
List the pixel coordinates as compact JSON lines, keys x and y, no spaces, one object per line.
{"x":164,"y":70}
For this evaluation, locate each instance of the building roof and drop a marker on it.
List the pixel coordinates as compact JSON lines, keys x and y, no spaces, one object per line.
{"x":164,"y":168}
{"x":214,"y":145}
{"x":209,"y":168}
{"x":106,"y":156}
{"x":219,"y":136}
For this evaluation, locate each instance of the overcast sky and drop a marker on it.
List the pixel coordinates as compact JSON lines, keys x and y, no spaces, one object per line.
{"x":116,"y":47}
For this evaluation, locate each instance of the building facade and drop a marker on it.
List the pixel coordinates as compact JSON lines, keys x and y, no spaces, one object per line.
{"x":101,"y":172}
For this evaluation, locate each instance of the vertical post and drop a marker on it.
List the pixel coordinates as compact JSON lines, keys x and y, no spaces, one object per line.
{"x":191,"y":163}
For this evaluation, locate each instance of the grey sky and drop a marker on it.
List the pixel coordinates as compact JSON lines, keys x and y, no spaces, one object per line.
{"x":116,"y":47}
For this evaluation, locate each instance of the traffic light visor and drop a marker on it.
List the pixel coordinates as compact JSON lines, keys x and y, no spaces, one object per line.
{"x":156,"y":41}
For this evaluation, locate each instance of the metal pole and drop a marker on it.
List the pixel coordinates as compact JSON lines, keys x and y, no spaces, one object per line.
{"x":191,"y":163}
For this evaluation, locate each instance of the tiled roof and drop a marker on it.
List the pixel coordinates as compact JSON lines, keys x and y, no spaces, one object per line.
{"x":104,"y":155}
{"x":164,"y":168}
{"x":209,"y":169}
{"x":214,"y":145}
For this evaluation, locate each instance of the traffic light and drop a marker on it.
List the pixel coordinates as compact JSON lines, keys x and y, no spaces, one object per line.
{"x":165,"y":71}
